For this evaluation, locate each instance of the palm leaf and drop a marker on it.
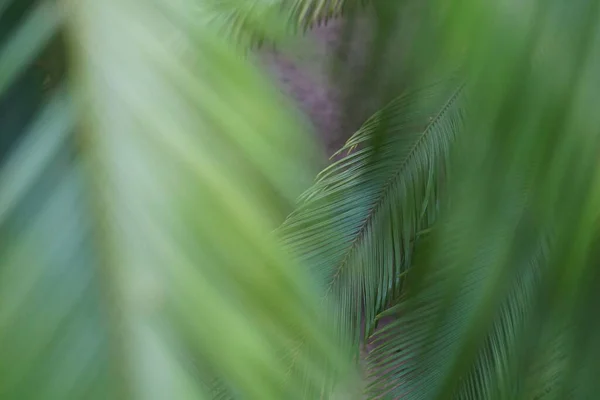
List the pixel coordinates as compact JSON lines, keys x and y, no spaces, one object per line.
{"x":253,"y":22}
{"x":248,"y":23}
{"x":355,"y":226}
{"x":527,"y":164}
{"x":137,"y":249}
{"x":315,"y":12}
{"x":495,"y":364}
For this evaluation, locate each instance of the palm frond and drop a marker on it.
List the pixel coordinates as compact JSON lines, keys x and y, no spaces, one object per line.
{"x":495,"y":373}
{"x":355,"y":226}
{"x":527,"y":164}
{"x":307,"y":13}
{"x":136,"y":220}
{"x":254,"y":22}
{"x":413,"y":355}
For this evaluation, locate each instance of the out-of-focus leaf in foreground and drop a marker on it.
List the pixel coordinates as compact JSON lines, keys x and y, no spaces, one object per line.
{"x":137,"y":254}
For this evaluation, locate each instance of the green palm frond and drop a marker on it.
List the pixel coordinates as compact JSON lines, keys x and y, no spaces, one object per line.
{"x":527,"y":164}
{"x":354,"y":228}
{"x":412,"y":353}
{"x":248,"y":23}
{"x":307,"y":13}
{"x":136,"y":219}
{"x":496,"y":360}
{"x":253,"y":22}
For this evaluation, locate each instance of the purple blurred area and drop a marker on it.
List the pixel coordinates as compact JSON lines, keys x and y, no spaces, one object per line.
{"x":304,"y":71}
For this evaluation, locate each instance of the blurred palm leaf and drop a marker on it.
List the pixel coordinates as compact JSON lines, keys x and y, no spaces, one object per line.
{"x":247,"y":23}
{"x":272,"y":21}
{"x":27,"y":42}
{"x":137,"y":254}
{"x":411,"y":355}
{"x":308,"y":13}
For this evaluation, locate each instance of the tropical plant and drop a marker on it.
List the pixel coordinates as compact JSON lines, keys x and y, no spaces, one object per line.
{"x":137,"y":210}
{"x":143,"y":254}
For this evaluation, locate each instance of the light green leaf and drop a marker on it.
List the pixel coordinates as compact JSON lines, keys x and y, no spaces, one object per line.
{"x":138,"y":259}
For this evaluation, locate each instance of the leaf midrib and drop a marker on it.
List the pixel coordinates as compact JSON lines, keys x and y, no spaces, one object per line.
{"x":386,"y":188}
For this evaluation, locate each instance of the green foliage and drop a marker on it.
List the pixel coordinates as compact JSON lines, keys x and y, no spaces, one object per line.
{"x":141,"y":255}
{"x":357,"y":203}
{"x":492,"y":309}
{"x":138,"y":259}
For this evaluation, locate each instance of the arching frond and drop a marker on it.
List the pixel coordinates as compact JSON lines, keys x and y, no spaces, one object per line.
{"x":412,"y":354}
{"x":253,"y":22}
{"x":354,"y":228}
{"x":247,"y":23}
